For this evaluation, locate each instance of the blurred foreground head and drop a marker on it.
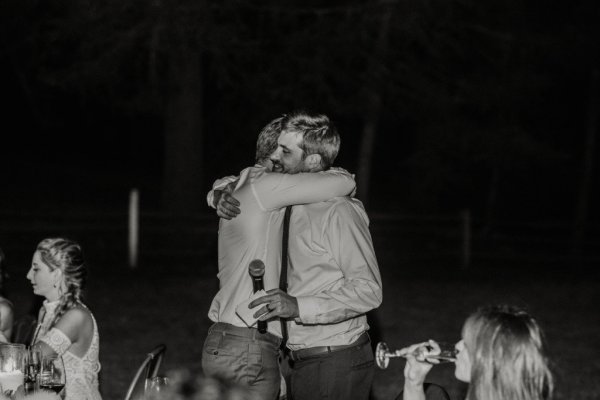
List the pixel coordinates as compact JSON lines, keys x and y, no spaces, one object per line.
{"x":506,"y":349}
{"x":183,"y":385}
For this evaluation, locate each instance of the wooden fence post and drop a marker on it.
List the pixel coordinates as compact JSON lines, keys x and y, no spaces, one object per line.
{"x":133,"y":227}
{"x":465,"y":217}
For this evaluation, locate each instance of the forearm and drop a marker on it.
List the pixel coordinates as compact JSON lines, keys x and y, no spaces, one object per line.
{"x":55,"y":341}
{"x":415,"y":371}
{"x":358,"y":287}
{"x":413,"y":391}
{"x":45,"y":349}
{"x":352,"y":298}
{"x":276,"y":190}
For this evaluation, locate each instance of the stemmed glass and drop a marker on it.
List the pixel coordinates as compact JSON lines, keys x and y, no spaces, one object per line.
{"x":52,"y":375}
{"x":33,"y":360}
{"x":383,"y":354}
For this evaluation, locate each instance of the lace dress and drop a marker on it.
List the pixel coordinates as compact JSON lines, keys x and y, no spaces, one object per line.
{"x":81,"y":372}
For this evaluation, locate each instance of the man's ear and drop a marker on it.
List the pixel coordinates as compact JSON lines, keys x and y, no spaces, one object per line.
{"x":313,"y":162}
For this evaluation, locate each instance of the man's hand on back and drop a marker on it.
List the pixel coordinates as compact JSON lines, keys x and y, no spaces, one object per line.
{"x":228,"y":207}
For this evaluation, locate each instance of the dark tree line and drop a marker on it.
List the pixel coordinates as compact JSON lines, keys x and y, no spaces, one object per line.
{"x":442,"y":104}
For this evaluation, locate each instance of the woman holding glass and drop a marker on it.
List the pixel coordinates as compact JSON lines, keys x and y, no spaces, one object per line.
{"x":501,"y":356}
{"x":66,"y":327}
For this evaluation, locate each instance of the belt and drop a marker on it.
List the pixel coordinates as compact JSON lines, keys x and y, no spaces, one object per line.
{"x":318,"y":351}
{"x":249,"y":333}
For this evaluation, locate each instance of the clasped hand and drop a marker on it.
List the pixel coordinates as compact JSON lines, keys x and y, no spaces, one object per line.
{"x":227,"y":206}
{"x":418,"y":364}
{"x":277,"y":304}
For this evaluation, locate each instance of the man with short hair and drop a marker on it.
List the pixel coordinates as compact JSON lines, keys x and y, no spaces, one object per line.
{"x":333,"y":276}
{"x":232,"y":349}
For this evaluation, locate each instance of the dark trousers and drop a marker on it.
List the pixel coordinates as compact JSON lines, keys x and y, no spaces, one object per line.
{"x":340,"y":375}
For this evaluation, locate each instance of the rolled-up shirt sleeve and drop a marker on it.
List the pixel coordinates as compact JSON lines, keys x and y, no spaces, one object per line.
{"x":360,"y":289}
{"x":276,"y":190}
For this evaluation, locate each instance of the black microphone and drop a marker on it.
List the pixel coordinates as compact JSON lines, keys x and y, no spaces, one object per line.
{"x":257,"y":271}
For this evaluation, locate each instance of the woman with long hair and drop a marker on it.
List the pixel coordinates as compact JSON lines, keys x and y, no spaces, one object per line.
{"x":501,"y":356}
{"x":65,"y":325}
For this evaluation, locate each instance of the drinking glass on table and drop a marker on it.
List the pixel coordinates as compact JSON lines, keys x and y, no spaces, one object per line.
{"x":52,"y":375}
{"x":12,"y":365}
{"x":33,"y":360}
{"x":447,"y":353}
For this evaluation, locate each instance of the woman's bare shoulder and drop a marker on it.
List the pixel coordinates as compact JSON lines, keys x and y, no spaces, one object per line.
{"x":79,"y":313}
{"x":75,"y":317}
{"x":75,"y":322}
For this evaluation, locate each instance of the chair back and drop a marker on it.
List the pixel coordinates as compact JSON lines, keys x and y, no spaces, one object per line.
{"x":24,"y":329}
{"x":148,"y":369}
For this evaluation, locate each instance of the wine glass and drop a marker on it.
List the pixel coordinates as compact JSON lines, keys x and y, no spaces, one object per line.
{"x":447,"y":353}
{"x":33,"y":360}
{"x":52,"y":375}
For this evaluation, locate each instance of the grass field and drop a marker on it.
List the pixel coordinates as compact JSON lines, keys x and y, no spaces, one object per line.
{"x":137,"y":310}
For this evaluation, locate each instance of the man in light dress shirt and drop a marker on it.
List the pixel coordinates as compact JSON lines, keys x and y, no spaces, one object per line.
{"x":333,"y":281}
{"x":333,"y":277}
{"x":232,"y":349}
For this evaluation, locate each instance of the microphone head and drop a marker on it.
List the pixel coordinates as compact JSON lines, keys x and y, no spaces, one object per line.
{"x":256,"y":268}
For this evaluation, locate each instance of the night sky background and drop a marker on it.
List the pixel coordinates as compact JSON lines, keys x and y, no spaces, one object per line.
{"x":442,"y":105}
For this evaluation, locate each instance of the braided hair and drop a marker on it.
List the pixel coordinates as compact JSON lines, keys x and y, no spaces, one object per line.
{"x":66,"y":255}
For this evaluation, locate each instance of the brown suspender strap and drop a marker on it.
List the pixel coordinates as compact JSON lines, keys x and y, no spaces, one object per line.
{"x":284,"y":267}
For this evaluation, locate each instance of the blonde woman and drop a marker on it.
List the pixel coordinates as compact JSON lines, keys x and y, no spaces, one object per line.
{"x":501,"y":356}
{"x":65,"y":325}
